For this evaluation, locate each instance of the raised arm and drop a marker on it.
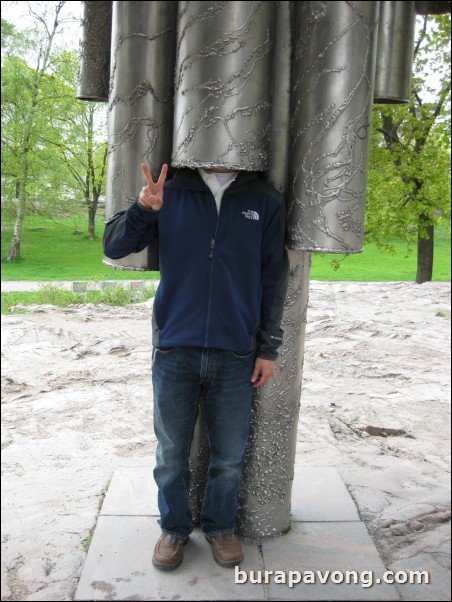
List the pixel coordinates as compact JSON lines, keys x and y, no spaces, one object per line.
{"x":131,"y":230}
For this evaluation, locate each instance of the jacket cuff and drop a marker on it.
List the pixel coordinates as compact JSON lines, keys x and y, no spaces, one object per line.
{"x":268,"y":344}
{"x":145,"y":215}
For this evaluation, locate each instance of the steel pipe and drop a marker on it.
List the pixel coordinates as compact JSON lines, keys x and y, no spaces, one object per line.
{"x":94,"y":51}
{"x":395,"y":52}
{"x":140,"y":111}
{"x":265,"y":496}
{"x":433,"y":8}
{"x":332,"y":93}
{"x":222,"y":85}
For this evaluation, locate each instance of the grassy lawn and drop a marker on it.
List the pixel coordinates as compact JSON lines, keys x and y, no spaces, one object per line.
{"x":60,"y":250}
{"x":373,"y":265}
{"x":56,"y":250}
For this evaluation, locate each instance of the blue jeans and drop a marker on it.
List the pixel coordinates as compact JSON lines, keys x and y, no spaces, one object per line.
{"x":179,"y":376}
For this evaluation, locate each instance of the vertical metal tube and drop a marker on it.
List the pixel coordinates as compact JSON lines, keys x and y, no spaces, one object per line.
{"x":280,"y":93}
{"x":268,"y":474}
{"x":223,"y":118}
{"x":432,"y":8}
{"x":222,"y":86}
{"x":269,"y":469}
{"x":332,"y":89}
{"x":140,"y":112}
{"x":395,"y":52}
{"x":94,"y":54}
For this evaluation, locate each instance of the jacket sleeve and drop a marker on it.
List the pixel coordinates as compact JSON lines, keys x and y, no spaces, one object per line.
{"x":274,"y":278}
{"x":129,"y":231}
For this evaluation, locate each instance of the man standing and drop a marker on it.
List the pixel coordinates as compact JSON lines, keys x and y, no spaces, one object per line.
{"x":216,"y":331}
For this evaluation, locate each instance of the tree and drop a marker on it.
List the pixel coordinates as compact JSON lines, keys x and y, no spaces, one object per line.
{"x":25,"y":111}
{"x":82,"y":141}
{"x":409,"y":176}
{"x":53,"y":146}
{"x":89,"y":166}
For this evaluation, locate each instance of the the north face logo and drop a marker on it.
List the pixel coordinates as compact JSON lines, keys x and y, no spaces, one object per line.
{"x":251,"y":214}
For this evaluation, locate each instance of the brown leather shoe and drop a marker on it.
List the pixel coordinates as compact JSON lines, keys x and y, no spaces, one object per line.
{"x":168,"y":552}
{"x":226,"y":549}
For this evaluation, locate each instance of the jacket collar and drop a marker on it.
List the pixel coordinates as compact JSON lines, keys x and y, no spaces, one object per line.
{"x":190,"y":178}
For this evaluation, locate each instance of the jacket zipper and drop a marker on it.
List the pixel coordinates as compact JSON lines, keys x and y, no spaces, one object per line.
{"x":212,"y":248}
{"x":211,"y":257}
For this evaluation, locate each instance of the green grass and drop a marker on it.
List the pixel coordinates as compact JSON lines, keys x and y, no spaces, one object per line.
{"x":52,"y":250}
{"x":373,"y":265}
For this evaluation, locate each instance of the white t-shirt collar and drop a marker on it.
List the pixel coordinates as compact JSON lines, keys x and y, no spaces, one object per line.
{"x":217,"y":182}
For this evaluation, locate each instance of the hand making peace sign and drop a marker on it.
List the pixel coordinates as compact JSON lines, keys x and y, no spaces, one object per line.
{"x":151,"y":195}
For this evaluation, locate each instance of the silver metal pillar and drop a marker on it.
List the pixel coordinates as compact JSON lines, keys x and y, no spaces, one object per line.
{"x":332,"y":93}
{"x":433,"y":8}
{"x":140,"y":111}
{"x":94,"y":53}
{"x":222,"y":84}
{"x":265,"y":494}
{"x":266,"y":490}
{"x":395,"y":52}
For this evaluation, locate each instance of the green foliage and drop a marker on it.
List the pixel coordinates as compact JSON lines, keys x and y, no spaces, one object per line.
{"x":53,"y":146}
{"x":409,"y":167}
{"x":30,"y":106}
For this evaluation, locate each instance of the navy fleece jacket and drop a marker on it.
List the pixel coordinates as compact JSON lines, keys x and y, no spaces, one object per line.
{"x":223,"y":278}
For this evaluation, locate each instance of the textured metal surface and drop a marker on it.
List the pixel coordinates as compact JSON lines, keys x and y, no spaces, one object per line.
{"x":198,"y":464}
{"x":268,"y":474}
{"x":222,"y":84}
{"x":395,"y":52}
{"x":233,"y":60}
{"x":265,"y":494}
{"x":433,"y":8}
{"x":140,"y":112}
{"x":333,"y":63}
{"x":94,"y":52}
{"x":266,"y":489}
{"x":281,"y":90}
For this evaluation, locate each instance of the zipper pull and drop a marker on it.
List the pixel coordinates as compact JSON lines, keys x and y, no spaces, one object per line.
{"x":212,"y":247}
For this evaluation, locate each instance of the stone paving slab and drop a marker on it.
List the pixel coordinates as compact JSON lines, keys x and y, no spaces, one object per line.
{"x":319,"y":494}
{"x":132,"y":492}
{"x":119,"y":567}
{"x":439,"y":586}
{"x":329,"y":551}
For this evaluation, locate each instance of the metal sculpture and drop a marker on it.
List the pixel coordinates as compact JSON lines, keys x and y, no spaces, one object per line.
{"x":222,"y":113}
{"x":94,"y":55}
{"x":140,"y":109}
{"x":332,"y":100}
{"x":280,"y":87}
{"x":394,"y":52}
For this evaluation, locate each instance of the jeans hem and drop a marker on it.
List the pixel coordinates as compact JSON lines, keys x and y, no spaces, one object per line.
{"x":222,"y":532}
{"x":178,"y":535}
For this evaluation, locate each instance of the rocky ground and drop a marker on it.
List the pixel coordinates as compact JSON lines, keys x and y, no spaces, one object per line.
{"x":77,"y":404}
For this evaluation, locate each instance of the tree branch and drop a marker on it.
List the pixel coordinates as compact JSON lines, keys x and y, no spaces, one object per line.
{"x":421,"y":38}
